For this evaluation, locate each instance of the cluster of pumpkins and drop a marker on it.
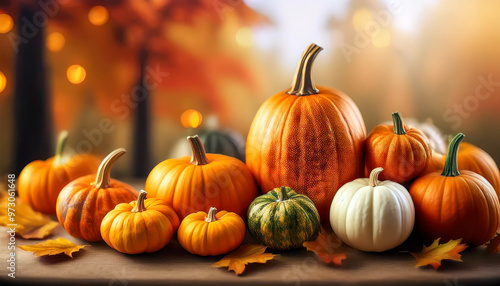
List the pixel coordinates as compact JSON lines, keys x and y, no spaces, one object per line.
{"x":311,"y":139}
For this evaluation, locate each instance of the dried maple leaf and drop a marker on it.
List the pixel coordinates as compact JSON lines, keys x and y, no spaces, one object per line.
{"x":53,"y":247}
{"x":436,"y":252}
{"x":325,"y":247}
{"x":494,"y":245}
{"x":248,"y":253}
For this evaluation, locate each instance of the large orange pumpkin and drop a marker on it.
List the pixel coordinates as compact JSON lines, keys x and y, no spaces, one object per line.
{"x":401,"y":150}
{"x":41,"y":181}
{"x":453,"y":204}
{"x":84,"y":202}
{"x":309,"y":138}
{"x":191,"y":184}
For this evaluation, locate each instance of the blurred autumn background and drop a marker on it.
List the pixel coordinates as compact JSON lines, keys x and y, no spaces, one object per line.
{"x":144,"y":74}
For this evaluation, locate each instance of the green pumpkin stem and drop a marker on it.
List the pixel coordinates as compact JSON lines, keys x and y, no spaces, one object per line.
{"x":139,"y":206}
{"x":451,"y":163}
{"x":397,"y":122}
{"x":282,"y":195}
{"x":198,"y":157}
{"x":211,"y":216}
{"x":374,"y":176}
{"x":302,"y":82}
{"x":61,"y":142}
{"x":103,"y":177}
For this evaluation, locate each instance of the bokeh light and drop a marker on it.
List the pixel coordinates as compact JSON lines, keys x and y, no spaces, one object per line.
{"x":6,"y":23}
{"x":55,"y":42}
{"x":191,"y":118}
{"x":244,"y":37}
{"x":3,"y":81}
{"x":76,"y":74}
{"x":98,"y":15}
{"x":382,"y":38}
{"x":360,"y":18}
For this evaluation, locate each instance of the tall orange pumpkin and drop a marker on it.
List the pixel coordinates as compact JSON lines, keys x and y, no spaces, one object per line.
{"x":454,"y":204}
{"x":309,"y":138}
{"x":41,"y":181}
{"x":191,"y":184}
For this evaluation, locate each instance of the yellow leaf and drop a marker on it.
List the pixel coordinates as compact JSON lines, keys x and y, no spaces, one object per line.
{"x":435,"y":253}
{"x":53,"y":247}
{"x":494,"y":245}
{"x":30,"y":224}
{"x":325,"y":247}
{"x":248,"y":253}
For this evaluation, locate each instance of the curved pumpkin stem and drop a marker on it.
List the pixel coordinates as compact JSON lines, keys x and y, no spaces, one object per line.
{"x":102,"y":179}
{"x":302,"y":82}
{"x":451,"y":163}
{"x":211,"y":216}
{"x":139,"y":206}
{"x":283,"y":195}
{"x":61,"y":142}
{"x":198,"y":157}
{"x":397,"y":122}
{"x":374,"y":176}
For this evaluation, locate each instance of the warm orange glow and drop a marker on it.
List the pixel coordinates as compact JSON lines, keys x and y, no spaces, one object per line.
{"x":191,"y":118}
{"x":3,"y":81}
{"x":55,"y":42}
{"x":98,"y":15}
{"x":6,"y":23}
{"x":360,"y":18}
{"x":244,"y":37}
{"x":76,"y":74}
{"x":382,"y":38}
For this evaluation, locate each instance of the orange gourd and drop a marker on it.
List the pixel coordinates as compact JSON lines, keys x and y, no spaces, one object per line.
{"x":401,"y":150}
{"x":41,"y":181}
{"x":83,"y":203}
{"x":309,"y":138}
{"x":453,"y":204}
{"x":191,"y":184}
{"x":214,"y":233}
{"x":145,"y":225}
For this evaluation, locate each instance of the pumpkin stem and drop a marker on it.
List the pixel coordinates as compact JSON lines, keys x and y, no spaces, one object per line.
{"x":139,"y":206}
{"x":374,"y":176}
{"x":302,"y":82}
{"x":199,"y":157}
{"x":61,"y":142}
{"x":102,"y":179}
{"x":451,"y":163}
{"x":282,"y":195}
{"x":211,"y":215}
{"x":397,"y":122}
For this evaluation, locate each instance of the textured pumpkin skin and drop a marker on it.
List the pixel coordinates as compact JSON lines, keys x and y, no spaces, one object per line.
{"x":464,"y":206}
{"x":138,"y":232}
{"x":223,"y":183}
{"x":283,"y":225}
{"x":313,"y":143}
{"x":81,"y":206}
{"x":403,"y":157}
{"x":40,"y":181}
{"x":211,"y":238}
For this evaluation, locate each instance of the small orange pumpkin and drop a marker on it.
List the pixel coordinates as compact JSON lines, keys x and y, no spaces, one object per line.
{"x":453,"y":204}
{"x":84,"y":202}
{"x":204,"y":180}
{"x":401,"y":150}
{"x":214,"y":233}
{"x":140,"y":226}
{"x":40,"y":182}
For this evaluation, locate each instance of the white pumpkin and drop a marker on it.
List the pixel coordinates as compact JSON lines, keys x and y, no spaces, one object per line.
{"x":372,"y":215}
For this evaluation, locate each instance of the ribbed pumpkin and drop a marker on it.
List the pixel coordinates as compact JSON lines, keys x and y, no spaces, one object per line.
{"x":454,"y":204}
{"x":401,"y":150}
{"x":83,"y":203}
{"x":40,"y":182}
{"x":214,"y":233}
{"x":283,"y":219}
{"x":145,"y":225}
{"x":191,"y":184}
{"x":308,"y":137}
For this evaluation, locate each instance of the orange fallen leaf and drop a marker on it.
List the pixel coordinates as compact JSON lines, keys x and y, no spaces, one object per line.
{"x":325,"y":247}
{"x":435,"y":253}
{"x":27,"y":222}
{"x":53,"y":247}
{"x":494,"y":245}
{"x":248,"y":253}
